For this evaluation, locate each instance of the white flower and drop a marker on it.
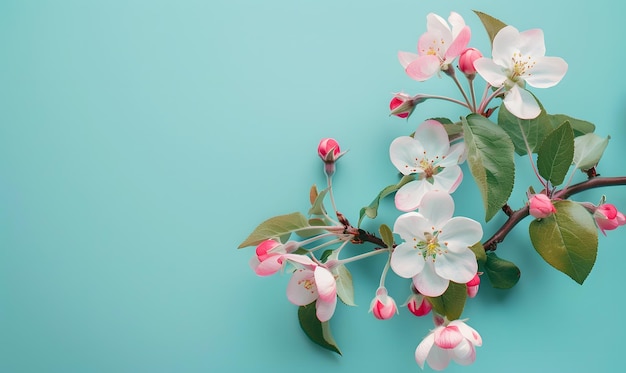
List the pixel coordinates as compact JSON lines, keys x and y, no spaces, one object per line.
{"x":313,"y":283}
{"x":519,"y":58}
{"x":454,"y":340}
{"x":436,"y":249}
{"x":428,"y":155}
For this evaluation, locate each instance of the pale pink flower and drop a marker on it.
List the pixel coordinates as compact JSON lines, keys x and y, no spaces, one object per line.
{"x":270,"y":257}
{"x":540,"y":206}
{"x":383,"y":306}
{"x":436,"y":245}
{"x":437,"y":47}
{"x":452,"y":340}
{"x":429,"y":156}
{"x":518,"y":58}
{"x":607,"y":217}
{"x":313,"y":283}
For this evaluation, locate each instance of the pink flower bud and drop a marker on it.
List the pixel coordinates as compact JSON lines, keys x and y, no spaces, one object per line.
{"x":466,"y":61}
{"x":262,"y":250}
{"x":401,"y":105}
{"x":418,"y":305}
{"x":541,"y":206}
{"x":329,"y":151}
{"x":472,"y":286}
{"x":608,"y":218}
{"x":383,"y":306}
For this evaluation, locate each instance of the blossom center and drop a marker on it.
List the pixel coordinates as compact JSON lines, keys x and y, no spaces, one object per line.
{"x":521,"y":65}
{"x":308,"y":284}
{"x":430,"y":246}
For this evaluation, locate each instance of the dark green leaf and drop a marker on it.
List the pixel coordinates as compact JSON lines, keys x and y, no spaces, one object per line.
{"x":580,"y":127}
{"x":567,"y":240}
{"x":492,"y":25}
{"x":317,"y":331}
{"x":490,"y":159}
{"x":371,"y":211}
{"x":325,"y":255}
{"x":279,"y":226}
{"x":502,"y":274}
{"x":386,"y":235}
{"x":554,"y":156}
{"x":451,"y":303}
{"x":533,"y":130}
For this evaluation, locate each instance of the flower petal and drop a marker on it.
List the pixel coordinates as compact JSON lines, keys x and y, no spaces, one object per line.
{"x":505,"y":44}
{"x":409,"y":196}
{"x":531,"y":43}
{"x":448,"y":179}
{"x":423,"y":67}
{"x":433,"y":137}
{"x":493,"y":73}
{"x":403,"y":151}
{"x":457,"y":267}
{"x":301,"y":288}
{"x":521,"y":103}
{"x":438,"y":359}
{"x":325,"y":283}
{"x":410,"y":225}
{"x":406,"y":261}
{"x":468,"y":332}
{"x":423,"y":349}
{"x":325,"y":310}
{"x":406,"y":58}
{"x":457,"y":22}
{"x":448,"y":337}
{"x":547,"y":72}
{"x":428,"y":282}
{"x":464,"y":353}
{"x":459,"y":44}
{"x":437,"y":207}
{"x":269,"y":266}
{"x":460,"y":232}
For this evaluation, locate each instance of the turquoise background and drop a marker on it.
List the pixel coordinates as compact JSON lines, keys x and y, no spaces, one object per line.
{"x":142,"y":141}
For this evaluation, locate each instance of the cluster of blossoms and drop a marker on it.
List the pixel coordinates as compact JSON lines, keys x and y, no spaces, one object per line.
{"x":438,"y":252}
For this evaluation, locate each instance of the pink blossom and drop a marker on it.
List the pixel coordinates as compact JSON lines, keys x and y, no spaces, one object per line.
{"x":466,"y":61}
{"x":313,"y":283}
{"x":607,"y":217}
{"x":418,"y":305}
{"x":383,"y":306}
{"x":328,"y":149}
{"x":437,"y":47}
{"x":540,"y":206}
{"x":452,"y":340}
{"x":473,"y":285}
{"x":270,"y":256}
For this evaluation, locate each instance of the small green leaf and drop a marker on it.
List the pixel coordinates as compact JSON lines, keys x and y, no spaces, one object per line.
{"x":317,"y":331}
{"x":371,"y":211}
{"x":345,"y":287}
{"x":479,"y":251}
{"x":386,"y":235}
{"x":567,"y":240}
{"x":534,"y":130}
{"x":588,"y":149}
{"x":554,"y":156}
{"x":492,"y":25}
{"x":325,"y":255}
{"x":579,"y":126}
{"x":502,"y":274}
{"x":490,"y":159}
{"x":451,"y":303}
{"x":317,"y":206}
{"x":279,"y":226}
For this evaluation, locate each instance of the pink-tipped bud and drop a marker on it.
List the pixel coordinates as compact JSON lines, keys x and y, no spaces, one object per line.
{"x":329,"y":151}
{"x":607,"y":217}
{"x":402,"y":105}
{"x":466,"y":61}
{"x":540,"y":206}
{"x":473,"y":285}
{"x":383,"y":306}
{"x":263,"y":249}
{"x":418,"y":305}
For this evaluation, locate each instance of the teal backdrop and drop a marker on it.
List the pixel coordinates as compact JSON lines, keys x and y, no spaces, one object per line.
{"x":142,"y":141}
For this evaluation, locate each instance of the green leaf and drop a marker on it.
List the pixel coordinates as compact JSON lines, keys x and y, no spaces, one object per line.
{"x":554,"y":156}
{"x":317,"y":206}
{"x":386,"y":235}
{"x":479,"y":251}
{"x":588,"y":149}
{"x":371,"y":211}
{"x":580,"y":127}
{"x":451,"y":303}
{"x":492,"y":25}
{"x":279,"y":226}
{"x":502,"y":273}
{"x":345,"y":287}
{"x":317,"y":331}
{"x":534,"y":130}
{"x":490,"y":159}
{"x":567,"y":240}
